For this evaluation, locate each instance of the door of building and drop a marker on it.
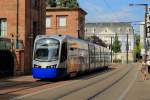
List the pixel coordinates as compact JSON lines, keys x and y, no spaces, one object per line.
{"x":6,"y":58}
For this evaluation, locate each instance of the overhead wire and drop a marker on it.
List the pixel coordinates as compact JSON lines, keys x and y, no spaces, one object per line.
{"x":109,"y":7}
{"x":97,"y":10}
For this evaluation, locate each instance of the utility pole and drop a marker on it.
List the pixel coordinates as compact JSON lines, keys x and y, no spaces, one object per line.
{"x":111,"y":48}
{"x":127,"y":48}
{"x":17,"y":26}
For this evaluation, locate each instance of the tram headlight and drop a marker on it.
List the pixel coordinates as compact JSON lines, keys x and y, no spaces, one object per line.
{"x":51,"y":66}
{"x":36,"y":66}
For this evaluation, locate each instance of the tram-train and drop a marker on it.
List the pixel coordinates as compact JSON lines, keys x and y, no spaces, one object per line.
{"x":57,"y":56}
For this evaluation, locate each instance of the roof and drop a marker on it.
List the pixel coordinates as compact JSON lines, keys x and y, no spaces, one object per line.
{"x":109,"y":24}
{"x":115,"y":27}
{"x":65,"y":9}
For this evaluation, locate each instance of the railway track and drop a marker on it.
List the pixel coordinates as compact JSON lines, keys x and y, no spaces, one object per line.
{"x":76,"y":85}
{"x":20,"y":86}
{"x":109,"y":86}
{"x":96,"y":82}
{"x":8,"y":84}
{"x":11,"y":87}
{"x":75,"y":80}
{"x":70,"y":90}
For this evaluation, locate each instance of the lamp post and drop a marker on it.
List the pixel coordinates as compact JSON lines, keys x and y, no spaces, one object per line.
{"x":111,"y":48}
{"x":127,"y":48}
{"x":145,"y":25}
{"x":17,"y":27}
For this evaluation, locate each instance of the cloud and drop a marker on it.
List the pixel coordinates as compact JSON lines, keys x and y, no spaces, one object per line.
{"x":120,"y":15}
{"x":97,"y":13}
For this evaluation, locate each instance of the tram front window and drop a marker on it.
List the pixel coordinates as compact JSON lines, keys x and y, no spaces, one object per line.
{"x":46,"y":50}
{"x":41,"y":54}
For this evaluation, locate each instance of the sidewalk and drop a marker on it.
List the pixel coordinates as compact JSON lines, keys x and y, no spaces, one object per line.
{"x":140,"y":90}
{"x":27,"y":78}
{"x":117,"y":65}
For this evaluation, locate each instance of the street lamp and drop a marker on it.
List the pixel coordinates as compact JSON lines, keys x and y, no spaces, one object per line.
{"x":145,"y":25}
{"x":17,"y":26}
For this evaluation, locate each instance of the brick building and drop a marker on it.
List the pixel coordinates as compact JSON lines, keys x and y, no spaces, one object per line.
{"x":21,"y":21}
{"x":69,"y":21}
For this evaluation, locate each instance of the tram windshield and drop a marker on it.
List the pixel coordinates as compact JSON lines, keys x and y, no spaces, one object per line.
{"x":46,"y":49}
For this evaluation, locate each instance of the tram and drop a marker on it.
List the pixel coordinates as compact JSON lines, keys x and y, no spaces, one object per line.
{"x":58,"y":56}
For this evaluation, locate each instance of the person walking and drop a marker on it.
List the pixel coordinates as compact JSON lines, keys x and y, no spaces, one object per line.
{"x":144,"y":70}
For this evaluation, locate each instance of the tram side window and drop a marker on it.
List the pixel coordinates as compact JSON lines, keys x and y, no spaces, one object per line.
{"x":63,"y":52}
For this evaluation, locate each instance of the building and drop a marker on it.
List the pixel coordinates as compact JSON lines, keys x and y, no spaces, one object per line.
{"x":21,"y":21}
{"x":145,"y":44}
{"x":106,"y":31}
{"x":70,"y":21}
{"x":142,"y":41}
{"x":145,"y":41}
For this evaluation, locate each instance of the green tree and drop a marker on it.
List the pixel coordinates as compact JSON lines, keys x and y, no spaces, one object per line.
{"x":62,"y":3}
{"x":116,"y":45}
{"x":73,"y":4}
{"x":51,"y":3}
{"x":96,"y":40}
{"x":137,"y":48}
{"x":68,"y":3}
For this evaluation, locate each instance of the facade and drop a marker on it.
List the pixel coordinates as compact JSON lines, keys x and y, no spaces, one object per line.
{"x":142,"y":42}
{"x":70,"y":21}
{"x":145,"y":44}
{"x":21,"y":21}
{"x":106,"y":31}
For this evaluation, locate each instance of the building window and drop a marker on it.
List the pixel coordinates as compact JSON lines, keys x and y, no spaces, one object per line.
{"x":3,"y":27}
{"x":48,"y":22}
{"x":62,"y":21}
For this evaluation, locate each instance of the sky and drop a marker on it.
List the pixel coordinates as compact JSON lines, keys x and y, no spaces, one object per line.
{"x":114,"y":11}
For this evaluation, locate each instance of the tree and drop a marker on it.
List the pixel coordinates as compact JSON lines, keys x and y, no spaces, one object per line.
{"x":137,"y":48}
{"x":116,"y":45}
{"x":72,"y":4}
{"x":51,"y":3}
{"x":96,"y":40}
{"x":63,"y":3}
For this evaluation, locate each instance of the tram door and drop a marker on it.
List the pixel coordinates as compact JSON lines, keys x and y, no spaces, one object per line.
{"x":63,"y":58}
{"x":6,"y":63}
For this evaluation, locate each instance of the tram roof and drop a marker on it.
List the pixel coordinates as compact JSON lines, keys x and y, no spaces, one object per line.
{"x":61,"y":37}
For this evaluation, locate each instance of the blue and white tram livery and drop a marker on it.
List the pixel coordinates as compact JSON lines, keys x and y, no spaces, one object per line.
{"x":61,"y":55}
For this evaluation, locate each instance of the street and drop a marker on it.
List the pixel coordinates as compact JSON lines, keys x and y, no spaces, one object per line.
{"x":74,"y":49}
{"x":121,"y":83}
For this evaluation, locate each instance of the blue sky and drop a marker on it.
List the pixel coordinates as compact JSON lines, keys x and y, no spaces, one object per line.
{"x":113,"y":10}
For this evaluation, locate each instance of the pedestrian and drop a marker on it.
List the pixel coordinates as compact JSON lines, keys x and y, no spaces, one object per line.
{"x":144,"y":70}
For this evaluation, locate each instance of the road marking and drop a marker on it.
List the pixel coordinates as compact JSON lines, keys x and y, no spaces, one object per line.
{"x":44,"y":90}
{"x":121,"y":97}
